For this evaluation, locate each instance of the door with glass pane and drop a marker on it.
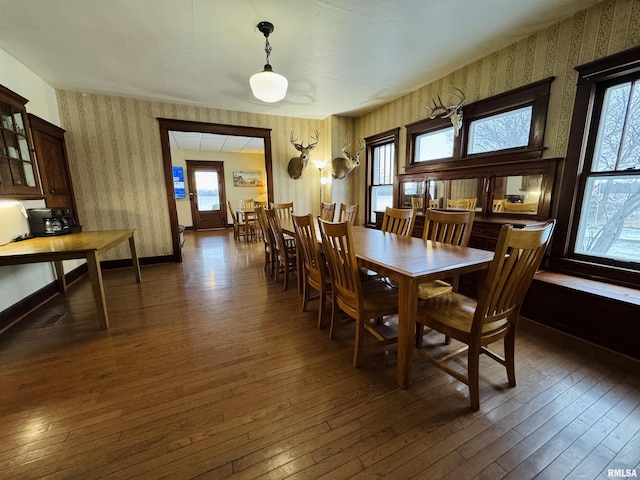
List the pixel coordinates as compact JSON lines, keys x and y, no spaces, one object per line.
{"x":206,"y":193}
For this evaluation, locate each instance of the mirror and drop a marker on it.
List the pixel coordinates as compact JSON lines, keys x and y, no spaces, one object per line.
{"x":465,"y":194}
{"x":436,"y":193}
{"x":517,"y":194}
{"x":413,"y":194}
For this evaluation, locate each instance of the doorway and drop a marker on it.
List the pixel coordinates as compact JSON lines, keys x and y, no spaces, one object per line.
{"x":206,"y":194}
{"x":167,"y":125}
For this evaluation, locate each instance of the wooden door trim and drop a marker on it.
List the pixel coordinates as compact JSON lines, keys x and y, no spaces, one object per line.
{"x":167,"y":124}
{"x":191,"y":164}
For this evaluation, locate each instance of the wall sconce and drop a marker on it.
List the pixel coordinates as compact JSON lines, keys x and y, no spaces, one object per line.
{"x":267,"y":85}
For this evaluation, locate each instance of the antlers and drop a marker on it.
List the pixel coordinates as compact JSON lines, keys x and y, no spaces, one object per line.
{"x":452,"y":112}
{"x":300,"y":146}
{"x":440,"y":110}
{"x":355,"y":155}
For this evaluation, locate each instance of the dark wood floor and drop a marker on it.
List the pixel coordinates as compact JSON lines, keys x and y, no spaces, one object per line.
{"x":210,"y":370}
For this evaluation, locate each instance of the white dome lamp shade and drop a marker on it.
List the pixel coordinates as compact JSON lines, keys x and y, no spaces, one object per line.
{"x":267,"y":85}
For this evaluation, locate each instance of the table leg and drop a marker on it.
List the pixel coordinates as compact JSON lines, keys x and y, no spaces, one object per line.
{"x":62,"y":281}
{"x":134,"y":258}
{"x":95,"y":275}
{"x":407,"y":309}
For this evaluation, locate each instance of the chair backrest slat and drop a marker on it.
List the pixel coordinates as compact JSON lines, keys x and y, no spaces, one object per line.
{"x":337,"y":246}
{"x":283,"y":210}
{"x":307,"y":243}
{"x":399,"y":221}
{"x":247,"y":204}
{"x":517,"y":257}
{"x":348,"y":213}
{"x":463,"y":203}
{"x":276,"y":230}
{"x":448,"y":227}
{"x":327,"y":210}
{"x":232,"y":212}
{"x":267,"y":235}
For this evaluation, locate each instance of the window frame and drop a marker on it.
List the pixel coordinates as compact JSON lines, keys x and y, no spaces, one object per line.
{"x":535,"y":95}
{"x":371,"y":143}
{"x":593,"y":79}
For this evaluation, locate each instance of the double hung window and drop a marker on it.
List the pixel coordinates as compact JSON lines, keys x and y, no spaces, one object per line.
{"x":599,"y":204}
{"x":381,"y":172}
{"x":608,"y":228}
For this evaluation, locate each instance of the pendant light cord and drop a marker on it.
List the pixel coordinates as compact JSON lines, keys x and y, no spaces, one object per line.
{"x":267,"y":48}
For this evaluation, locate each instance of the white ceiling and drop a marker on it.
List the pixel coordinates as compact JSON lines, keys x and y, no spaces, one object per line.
{"x":215,"y":143}
{"x":340,"y":56}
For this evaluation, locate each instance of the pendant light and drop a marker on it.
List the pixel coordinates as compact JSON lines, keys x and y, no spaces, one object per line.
{"x":267,"y":85}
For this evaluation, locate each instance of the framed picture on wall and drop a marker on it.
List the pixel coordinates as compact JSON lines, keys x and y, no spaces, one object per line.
{"x":247,"y":179}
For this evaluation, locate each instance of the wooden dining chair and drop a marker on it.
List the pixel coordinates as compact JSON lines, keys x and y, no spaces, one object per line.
{"x":446,"y":227}
{"x":494,"y":316}
{"x":417,"y":203}
{"x":461,"y":203}
{"x":434,"y":203}
{"x":327,"y":211}
{"x":314,"y":266}
{"x":520,"y":207}
{"x":348,"y":213}
{"x":285,"y":253}
{"x":498,"y":206}
{"x":269,"y":241}
{"x":247,"y":204}
{"x":239,"y":228}
{"x":362,"y":301}
{"x":283,"y":210}
{"x":399,"y":221}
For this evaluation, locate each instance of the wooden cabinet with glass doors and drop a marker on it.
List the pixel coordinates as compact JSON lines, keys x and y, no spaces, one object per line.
{"x":18,"y":171}
{"x":517,"y":193}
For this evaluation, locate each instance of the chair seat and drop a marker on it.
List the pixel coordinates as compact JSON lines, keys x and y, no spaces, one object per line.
{"x":452,"y":314}
{"x":379,"y":297}
{"x":431,"y":289}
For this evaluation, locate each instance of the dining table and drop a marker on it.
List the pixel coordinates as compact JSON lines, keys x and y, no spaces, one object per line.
{"x":88,"y":245}
{"x":409,"y":261}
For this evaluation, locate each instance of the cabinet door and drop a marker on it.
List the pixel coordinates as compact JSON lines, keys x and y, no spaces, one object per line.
{"x":51,"y":155}
{"x":18,"y":174}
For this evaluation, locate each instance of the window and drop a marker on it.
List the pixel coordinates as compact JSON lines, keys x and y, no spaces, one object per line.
{"x":381,"y":172}
{"x":500,"y":132}
{"x":609,"y":222}
{"x":505,"y":128}
{"x":599,"y":206}
{"x":434,"y":145}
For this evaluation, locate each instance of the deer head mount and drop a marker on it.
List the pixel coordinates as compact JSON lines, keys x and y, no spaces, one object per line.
{"x":344,"y":165}
{"x":297,"y":165}
{"x":452,"y":112}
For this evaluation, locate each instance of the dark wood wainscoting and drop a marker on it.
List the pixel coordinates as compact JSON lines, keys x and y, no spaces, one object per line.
{"x":600,"y":318}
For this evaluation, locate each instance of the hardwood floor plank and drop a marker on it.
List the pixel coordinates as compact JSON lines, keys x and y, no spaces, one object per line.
{"x":579,"y":450}
{"x":492,"y":472}
{"x":593,"y":465}
{"x":629,"y":455}
{"x":627,"y":428}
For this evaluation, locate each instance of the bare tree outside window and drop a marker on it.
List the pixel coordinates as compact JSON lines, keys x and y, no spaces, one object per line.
{"x":499,"y":132}
{"x":610,"y":219}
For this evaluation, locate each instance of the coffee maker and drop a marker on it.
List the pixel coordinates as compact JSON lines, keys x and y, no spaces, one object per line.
{"x":44,"y":222}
